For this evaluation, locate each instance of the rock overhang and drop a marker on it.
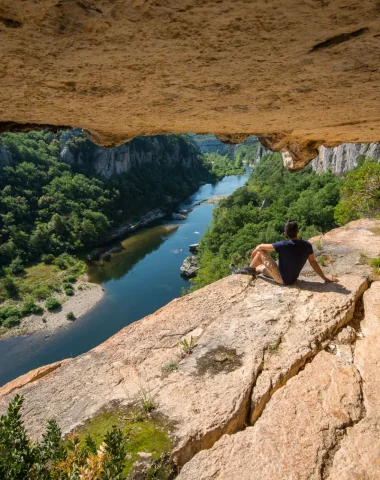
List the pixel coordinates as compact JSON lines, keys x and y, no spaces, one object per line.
{"x":297,"y":74}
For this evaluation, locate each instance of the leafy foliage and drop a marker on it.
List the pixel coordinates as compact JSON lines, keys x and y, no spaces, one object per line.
{"x":56,"y":459}
{"x":52,"y":303}
{"x":222,"y":166}
{"x":360,"y":194}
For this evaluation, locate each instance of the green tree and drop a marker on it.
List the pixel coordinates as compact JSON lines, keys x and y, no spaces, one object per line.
{"x":360,"y":194}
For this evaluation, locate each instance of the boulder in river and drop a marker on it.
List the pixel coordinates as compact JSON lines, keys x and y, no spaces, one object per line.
{"x":189,"y":267}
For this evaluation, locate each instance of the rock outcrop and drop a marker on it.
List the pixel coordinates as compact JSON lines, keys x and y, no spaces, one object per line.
{"x":171,"y":151}
{"x":343,"y":158}
{"x":252,"y":341}
{"x":189,"y":267}
{"x":122,"y":69}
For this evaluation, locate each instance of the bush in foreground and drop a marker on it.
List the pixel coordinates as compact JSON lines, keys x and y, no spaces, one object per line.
{"x":53,"y":458}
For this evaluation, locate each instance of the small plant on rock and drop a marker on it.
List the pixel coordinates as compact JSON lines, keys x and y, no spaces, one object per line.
{"x":273,"y":347}
{"x":188,"y":346}
{"x":170,"y":366}
{"x":70,"y":316}
{"x":148,"y":404}
{"x":375,"y":263}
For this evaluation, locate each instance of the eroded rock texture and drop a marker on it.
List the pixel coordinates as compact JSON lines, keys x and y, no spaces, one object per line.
{"x":303,"y":72}
{"x":251,"y":340}
{"x":343,"y":158}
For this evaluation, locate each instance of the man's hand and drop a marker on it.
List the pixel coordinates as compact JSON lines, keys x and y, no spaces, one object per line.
{"x":331,"y":280}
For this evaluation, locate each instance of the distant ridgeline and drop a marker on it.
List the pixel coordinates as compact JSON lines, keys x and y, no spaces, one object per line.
{"x":246,"y":151}
{"x":61,"y":192}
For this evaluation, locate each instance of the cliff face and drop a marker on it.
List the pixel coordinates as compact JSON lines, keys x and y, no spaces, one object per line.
{"x":168,"y":150}
{"x":343,"y":158}
{"x":291,"y":370}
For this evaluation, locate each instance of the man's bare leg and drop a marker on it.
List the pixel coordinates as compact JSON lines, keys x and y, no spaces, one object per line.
{"x":264,"y":263}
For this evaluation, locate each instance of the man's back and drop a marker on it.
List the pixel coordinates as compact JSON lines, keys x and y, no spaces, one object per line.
{"x":292,"y":257}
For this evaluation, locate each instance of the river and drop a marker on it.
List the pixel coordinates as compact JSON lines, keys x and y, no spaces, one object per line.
{"x":137,"y":281}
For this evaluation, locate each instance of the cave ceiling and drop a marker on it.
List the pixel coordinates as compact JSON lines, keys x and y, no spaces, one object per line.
{"x":296,"y":73}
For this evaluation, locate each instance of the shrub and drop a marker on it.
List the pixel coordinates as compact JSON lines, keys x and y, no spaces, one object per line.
{"x":69,"y":290}
{"x":52,"y":303}
{"x":48,"y":259}
{"x":9,"y":311}
{"x":16,"y":266}
{"x":11,"y":322}
{"x":29,"y":308}
{"x":70,"y":316}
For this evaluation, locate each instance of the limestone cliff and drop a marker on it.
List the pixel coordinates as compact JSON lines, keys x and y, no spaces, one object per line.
{"x":168,"y":150}
{"x":343,"y":158}
{"x":290,"y":374}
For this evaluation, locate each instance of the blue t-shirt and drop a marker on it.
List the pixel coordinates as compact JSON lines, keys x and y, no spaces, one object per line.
{"x":292,"y":257}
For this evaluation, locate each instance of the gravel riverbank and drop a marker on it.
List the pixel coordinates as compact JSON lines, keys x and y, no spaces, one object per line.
{"x":84,"y":299}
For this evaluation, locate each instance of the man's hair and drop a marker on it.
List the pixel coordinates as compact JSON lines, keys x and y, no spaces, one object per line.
{"x":291,"y":228}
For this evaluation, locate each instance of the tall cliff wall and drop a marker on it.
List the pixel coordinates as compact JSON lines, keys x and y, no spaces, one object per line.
{"x":343,"y":158}
{"x":169,"y":150}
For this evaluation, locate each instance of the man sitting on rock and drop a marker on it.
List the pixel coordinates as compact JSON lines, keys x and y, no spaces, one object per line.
{"x":292,"y":254}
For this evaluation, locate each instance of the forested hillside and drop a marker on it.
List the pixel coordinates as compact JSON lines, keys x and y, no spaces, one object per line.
{"x":61,"y":194}
{"x":256,"y":213}
{"x":48,"y":206}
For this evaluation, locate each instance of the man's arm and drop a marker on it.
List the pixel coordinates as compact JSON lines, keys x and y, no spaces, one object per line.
{"x":262,"y":248}
{"x":318,"y":270}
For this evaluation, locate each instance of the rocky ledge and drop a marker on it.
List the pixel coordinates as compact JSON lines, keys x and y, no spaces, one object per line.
{"x":275,"y":382}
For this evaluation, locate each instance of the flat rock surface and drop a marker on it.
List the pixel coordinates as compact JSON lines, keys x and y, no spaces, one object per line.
{"x":362,"y":235}
{"x":295,"y":433}
{"x":126,"y":68}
